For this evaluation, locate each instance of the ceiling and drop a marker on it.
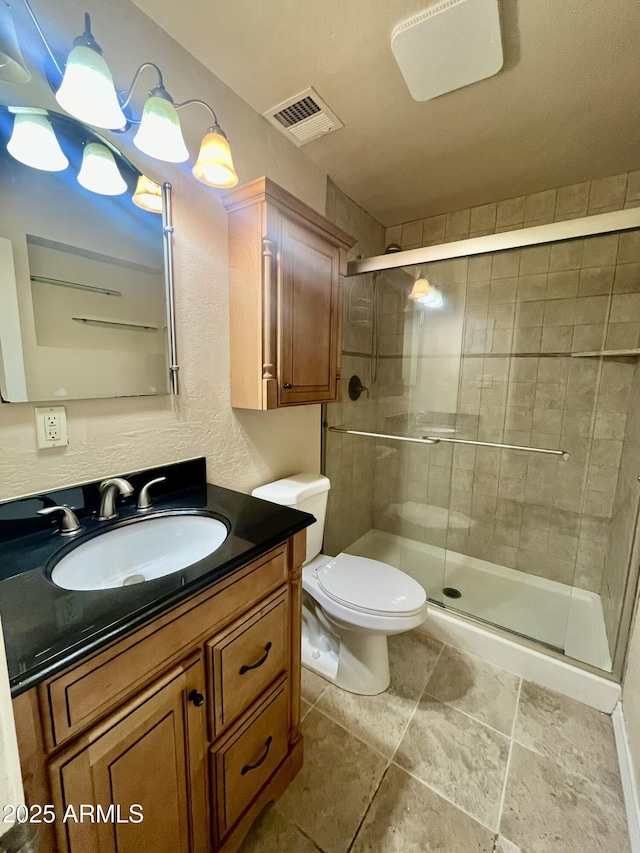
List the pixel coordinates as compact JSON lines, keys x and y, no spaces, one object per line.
{"x":564,"y":108}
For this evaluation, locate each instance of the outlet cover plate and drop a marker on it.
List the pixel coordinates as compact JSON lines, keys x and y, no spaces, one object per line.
{"x":41,"y":414}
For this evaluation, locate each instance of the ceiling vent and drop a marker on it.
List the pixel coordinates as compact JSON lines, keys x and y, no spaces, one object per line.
{"x":303,"y":118}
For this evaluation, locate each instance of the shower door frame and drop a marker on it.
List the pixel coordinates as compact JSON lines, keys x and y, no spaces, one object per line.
{"x":555,"y":232}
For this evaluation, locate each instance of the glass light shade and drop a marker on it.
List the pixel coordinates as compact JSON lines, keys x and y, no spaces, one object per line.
{"x":87,"y":91}
{"x":12,"y":65}
{"x":214,"y":165}
{"x":160,"y":134}
{"x":148,"y":195}
{"x":426,"y":295}
{"x":420,"y":289}
{"x":99,"y":172}
{"x":33,"y":142}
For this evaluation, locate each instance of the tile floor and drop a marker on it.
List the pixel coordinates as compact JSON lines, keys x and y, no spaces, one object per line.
{"x":457,"y":756}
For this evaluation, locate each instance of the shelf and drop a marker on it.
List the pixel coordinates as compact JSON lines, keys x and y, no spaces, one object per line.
{"x":607,"y":353}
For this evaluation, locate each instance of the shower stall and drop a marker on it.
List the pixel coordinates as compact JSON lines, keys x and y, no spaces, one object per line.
{"x":490,"y":445}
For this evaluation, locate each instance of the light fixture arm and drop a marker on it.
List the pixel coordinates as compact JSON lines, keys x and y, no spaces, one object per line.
{"x":129,"y":93}
{"x":42,"y":36}
{"x":216,"y":125}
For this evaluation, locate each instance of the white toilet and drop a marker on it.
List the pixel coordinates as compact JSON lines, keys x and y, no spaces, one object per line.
{"x":351,"y":604}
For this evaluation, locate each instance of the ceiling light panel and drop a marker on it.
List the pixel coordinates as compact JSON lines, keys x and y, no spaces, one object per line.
{"x":447,"y":46}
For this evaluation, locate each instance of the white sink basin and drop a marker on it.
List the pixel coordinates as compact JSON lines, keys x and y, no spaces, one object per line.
{"x":142,"y":551}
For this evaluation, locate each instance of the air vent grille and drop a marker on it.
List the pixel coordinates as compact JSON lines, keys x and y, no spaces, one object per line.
{"x":297,"y":112}
{"x":304,"y":117}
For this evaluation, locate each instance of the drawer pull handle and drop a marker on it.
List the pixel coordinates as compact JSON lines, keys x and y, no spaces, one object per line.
{"x":246,"y":667}
{"x":196,"y":698}
{"x":287,"y":385}
{"x":248,"y":767}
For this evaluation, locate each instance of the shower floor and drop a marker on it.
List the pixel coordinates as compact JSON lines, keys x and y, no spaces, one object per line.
{"x":558,"y":615}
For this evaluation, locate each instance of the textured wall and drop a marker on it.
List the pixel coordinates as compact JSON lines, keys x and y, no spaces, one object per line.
{"x":243,"y":449}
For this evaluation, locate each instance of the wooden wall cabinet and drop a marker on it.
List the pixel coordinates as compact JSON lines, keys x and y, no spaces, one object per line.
{"x":194,"y":717}
{"x":286,"y":264}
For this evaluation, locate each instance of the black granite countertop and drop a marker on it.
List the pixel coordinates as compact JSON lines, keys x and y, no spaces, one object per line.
{"x":47,"y":628}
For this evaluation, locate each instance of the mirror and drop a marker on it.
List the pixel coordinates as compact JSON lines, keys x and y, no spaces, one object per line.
{"x":82,"y":282}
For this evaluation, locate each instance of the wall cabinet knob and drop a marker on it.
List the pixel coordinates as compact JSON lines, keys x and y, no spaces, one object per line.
{"x":196,"y":698}
{"x":287,"y":385}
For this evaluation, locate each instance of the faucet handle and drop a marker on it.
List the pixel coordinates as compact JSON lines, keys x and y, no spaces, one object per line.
{"x":70,"y":525}
{"x":144,"y":501}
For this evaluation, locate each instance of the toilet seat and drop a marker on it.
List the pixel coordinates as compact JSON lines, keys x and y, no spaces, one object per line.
{"x":370,"y":586}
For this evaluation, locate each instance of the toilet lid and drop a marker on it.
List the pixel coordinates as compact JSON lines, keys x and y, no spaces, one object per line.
{"x":371,"y":586}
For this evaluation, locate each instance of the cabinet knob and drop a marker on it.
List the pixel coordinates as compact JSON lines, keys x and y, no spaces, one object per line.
{"x":196,"y":698}
{"x":287,"y":385}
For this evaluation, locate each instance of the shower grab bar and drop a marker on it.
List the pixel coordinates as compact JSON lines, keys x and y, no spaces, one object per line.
{"x":429,"y":439}
{"x":412,"y":439}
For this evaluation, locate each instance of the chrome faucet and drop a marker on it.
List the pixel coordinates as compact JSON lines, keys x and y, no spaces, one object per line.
{"x":70,"y":524}
{"x":108,"y":491}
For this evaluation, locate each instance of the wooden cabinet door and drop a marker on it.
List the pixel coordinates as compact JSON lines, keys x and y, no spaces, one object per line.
{"x":150,"y":754}
{"x":308,"y":321}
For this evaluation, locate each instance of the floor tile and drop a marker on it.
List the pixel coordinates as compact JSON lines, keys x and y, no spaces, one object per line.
{"x":504,"y":846}
{"x":273,"y":833}
{"x":313,"y":686}
{"x":381,"y":720}
{"x":329,"y":797}
{"x":407,"y":817}
{"x":476,"y":687}
{"x":573,"y":735}
{"x":549,"y":809}
{"x":305,"y":707}
{"x":458,"y":757}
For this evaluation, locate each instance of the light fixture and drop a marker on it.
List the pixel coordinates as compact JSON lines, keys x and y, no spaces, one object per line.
{"x":214,"y":165}
{"x":33,"y":141}
{"x":148,"y":195}
{"x":99,"y":172}
{"x":13,"y":68}
{"x":425,"y":294}
{"x":160,"y":134}
{"x":87,"y":91}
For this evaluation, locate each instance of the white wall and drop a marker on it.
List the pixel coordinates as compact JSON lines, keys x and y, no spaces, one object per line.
{"x":243,"y":449}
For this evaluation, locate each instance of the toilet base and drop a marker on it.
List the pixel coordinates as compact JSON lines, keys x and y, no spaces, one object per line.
{"x":354,"y":661}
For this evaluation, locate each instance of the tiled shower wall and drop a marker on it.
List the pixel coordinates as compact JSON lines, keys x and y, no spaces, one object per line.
{"x":348,"y":464}
{"x":525,"y":312}
{"x":519,"y":385}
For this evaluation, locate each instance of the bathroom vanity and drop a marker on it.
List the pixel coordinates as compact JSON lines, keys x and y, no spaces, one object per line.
{"x":176,"y":700}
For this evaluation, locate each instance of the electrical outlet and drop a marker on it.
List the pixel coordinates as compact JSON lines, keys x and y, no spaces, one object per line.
{"x":51,"y":427}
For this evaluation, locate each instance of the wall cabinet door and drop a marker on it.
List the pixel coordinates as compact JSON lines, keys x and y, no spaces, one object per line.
{"x":151,"y":755}
{"x":308,"y":320}
{"x":285,"y":268}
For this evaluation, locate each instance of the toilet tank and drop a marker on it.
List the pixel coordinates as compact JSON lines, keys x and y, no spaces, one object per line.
{"x":307,"y":492}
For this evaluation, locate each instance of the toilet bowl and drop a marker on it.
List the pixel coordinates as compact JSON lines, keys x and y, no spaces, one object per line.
{"x":350,"y":604}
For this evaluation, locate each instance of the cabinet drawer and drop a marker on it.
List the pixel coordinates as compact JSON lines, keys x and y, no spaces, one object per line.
{"x":246,"y":660}
{"x":244,"y":762}
{"x":83,"y":694}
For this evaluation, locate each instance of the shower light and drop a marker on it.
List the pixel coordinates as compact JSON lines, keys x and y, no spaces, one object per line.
{"x":426,"y":294}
